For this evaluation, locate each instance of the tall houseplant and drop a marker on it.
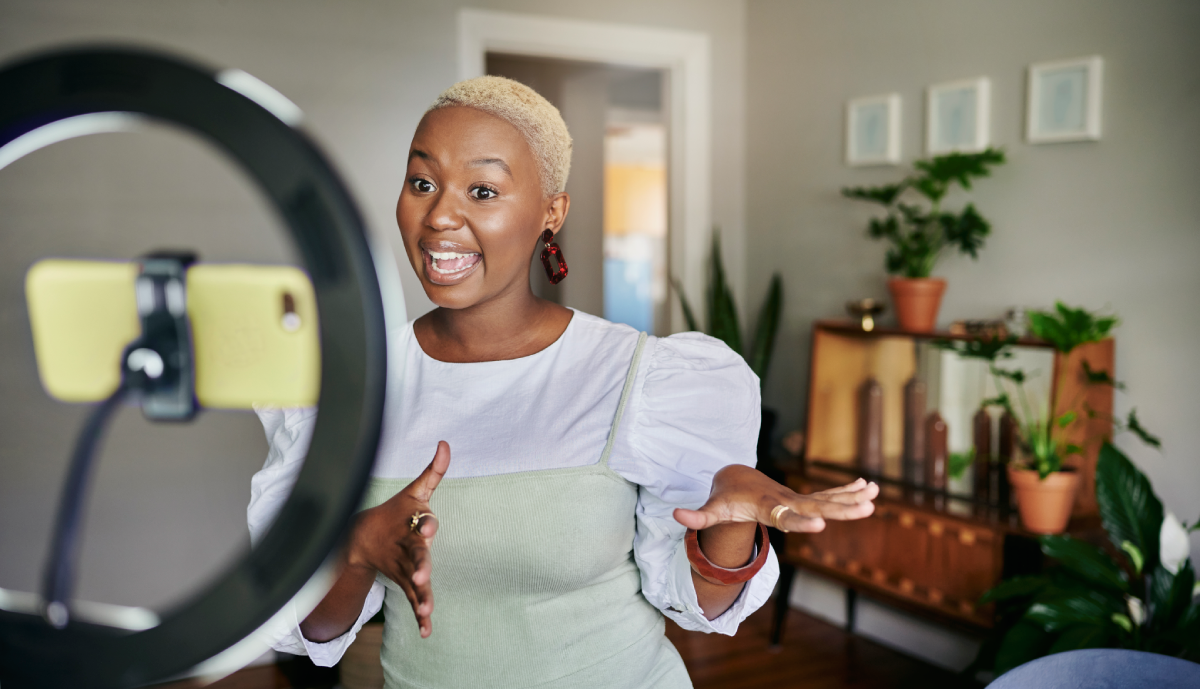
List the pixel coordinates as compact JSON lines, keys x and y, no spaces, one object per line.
{"x":722,"y":317}
{"x":918,"y":234}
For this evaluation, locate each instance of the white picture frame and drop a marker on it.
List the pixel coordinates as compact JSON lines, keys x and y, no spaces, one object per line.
{"x":958,"y":116}
{"x":1063,"y":100}
{"x":873,"y":130}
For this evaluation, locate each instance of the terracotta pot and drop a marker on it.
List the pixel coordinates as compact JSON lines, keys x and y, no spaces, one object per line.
{"x":917,"y":301}
{"x":1045,"y":505}
{"x":360,"y":667}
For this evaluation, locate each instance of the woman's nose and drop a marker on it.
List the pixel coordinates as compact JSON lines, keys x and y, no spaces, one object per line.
{"x":445,"y":213}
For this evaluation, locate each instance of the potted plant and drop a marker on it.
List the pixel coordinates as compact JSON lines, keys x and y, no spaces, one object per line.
{"x":723,"y":325}
{"x":919,"y":233}
{"x":1137,"y":594}
{"x":1044,"y":487}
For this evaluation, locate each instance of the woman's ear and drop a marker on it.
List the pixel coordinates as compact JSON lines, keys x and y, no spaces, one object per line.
{"x":556,"y":211}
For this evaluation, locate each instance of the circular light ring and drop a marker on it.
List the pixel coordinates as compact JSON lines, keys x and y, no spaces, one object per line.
{"x":329,"y":233}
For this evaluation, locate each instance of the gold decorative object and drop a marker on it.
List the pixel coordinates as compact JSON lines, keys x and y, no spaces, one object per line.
{"x":867,"y":310}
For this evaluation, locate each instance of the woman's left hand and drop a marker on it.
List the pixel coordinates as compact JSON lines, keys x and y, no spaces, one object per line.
{"x":742,"y":494}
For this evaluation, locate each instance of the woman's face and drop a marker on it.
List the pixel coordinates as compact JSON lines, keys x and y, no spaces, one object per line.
{"x":472,"y":209}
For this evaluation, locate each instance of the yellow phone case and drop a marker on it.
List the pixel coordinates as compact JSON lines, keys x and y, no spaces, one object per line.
{"x":254,"y":331}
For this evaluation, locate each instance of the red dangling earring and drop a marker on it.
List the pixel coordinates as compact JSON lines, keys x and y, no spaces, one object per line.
{"x":558,"y":271}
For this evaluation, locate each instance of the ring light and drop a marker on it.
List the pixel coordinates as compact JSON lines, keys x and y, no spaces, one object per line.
{"x":70,"y":93}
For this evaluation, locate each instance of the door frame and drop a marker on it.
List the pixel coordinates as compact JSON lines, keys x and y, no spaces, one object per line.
{"x":683,"y":55}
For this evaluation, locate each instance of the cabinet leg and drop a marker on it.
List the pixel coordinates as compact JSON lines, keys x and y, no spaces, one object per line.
{"x":851,"y":609}
{"x":787,"y":573}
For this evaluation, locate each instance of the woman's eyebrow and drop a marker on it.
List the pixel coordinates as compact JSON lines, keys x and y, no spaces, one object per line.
{"x":491,"y":161}
{"x":418,"y":153}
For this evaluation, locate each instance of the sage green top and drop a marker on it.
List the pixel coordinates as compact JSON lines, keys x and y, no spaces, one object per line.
{"x":545,"y":492}
{"x":534,"y":585}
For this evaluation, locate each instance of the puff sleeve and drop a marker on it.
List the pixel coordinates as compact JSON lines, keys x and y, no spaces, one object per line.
{"x":695,"y":408}
{"x":289,"y":432}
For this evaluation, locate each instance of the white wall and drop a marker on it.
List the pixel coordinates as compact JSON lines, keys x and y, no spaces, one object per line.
{"x":363,"y":72}
{"x":1113,"y":224}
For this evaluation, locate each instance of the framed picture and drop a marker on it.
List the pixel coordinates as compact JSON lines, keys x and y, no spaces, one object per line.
{"x":873,"y":130}
{"x":956,"y":116}
{"x":1064,"y":101}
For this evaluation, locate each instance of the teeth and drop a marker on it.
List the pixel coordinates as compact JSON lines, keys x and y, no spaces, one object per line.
{"x":439,"y":256}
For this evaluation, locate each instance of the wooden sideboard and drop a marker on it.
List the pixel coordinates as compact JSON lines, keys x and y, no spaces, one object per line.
{"x":932,"y":553}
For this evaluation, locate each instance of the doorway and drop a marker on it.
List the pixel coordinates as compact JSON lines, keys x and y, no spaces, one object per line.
{"x":682,"y":59}
{"x":616,"y":236}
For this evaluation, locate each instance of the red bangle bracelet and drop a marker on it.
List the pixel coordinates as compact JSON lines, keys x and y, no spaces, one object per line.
{"x":720,"y":575}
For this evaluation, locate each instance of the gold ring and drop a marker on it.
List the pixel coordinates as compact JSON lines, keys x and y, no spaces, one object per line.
{"x":416,"y":519}
{"x":776,"y":514}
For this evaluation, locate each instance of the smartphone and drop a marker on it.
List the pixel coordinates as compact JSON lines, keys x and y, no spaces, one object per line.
{"x":254,"y":331}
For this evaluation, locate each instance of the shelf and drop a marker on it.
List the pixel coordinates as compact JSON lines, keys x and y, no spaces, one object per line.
{"x":854,"y":329}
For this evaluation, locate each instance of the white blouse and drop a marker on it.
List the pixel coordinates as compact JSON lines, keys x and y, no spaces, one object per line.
{"x":694,"y":409}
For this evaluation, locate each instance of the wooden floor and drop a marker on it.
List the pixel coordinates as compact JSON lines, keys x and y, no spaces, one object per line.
{"x":814,"y":655}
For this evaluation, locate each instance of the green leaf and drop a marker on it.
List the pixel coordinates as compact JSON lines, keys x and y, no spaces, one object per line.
{"x":689,"y":316}
{"x":1067,"y":419}
{"x":1015,"y":587}
{"x":960,"y":167}
{"x":959,"y":461}
{"x":913,"y":215}
{"x":1058,"y":613}
{"x":1023,"y":643}
{"x":1129,"y":509}
{"x":1082,"y":636}
{"x":1015,"y":375}
{"x":768,"y":325}
{"x":1100,"y":377}
{"x":1066,"y":328}
{"x":1170,"y":595}
{"x":1122,"y":620}
{"x":1140,"y":431}
{"x":884,"y":228}
{"x":1086,"y":560}
{"x":1186,"y":633}
{"x":1135,"y":556}
{"x":885,"y":195}
{"x":1000,"y":400}
{"x":966,"y":230}
{"x":722,"y":310}
{"x":930,"y":188}
{"x":986,"y":348}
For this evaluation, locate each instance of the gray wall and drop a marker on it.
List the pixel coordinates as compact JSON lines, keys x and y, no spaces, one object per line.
{"x":1113,"y":224}
{"x":169,"y":506}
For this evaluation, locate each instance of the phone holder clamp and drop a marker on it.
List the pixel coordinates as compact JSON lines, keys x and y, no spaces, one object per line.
{"x":159,"y":364}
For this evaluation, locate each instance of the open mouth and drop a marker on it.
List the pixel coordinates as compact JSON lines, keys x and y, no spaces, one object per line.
{"x":449,"y":267}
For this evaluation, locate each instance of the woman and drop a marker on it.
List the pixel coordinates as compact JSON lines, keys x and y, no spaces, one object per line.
{"x":554,"y":541}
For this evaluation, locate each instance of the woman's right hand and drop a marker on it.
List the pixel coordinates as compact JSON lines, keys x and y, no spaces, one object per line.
{"x":384,"y":541}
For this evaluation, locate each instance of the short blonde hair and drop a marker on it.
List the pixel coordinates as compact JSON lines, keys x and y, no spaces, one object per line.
{"x":522,"y":107}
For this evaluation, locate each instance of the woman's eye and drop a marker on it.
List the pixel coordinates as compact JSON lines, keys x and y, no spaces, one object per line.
{"x":423,"y":186}
{"x":483,"y":193}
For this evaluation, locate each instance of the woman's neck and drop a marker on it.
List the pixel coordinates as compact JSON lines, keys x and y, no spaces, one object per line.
{"x":509,"y":326}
